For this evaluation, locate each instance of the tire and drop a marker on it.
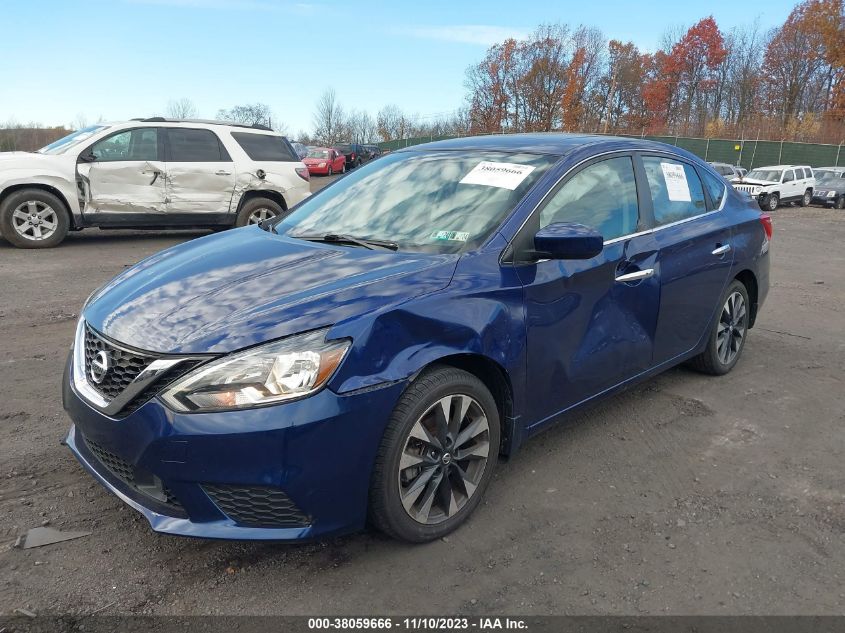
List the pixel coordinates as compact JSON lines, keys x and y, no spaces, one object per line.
{"x":343,"y":169}
{"x":252,"y":211}
{"x":713,"y":359}
{"x":330,"y":172}
{"x":34,"y":218}
{"x":807,"y":198}
{"x":772,"y":202}
{"x":840,"y":202}
{"x":432,"y":464}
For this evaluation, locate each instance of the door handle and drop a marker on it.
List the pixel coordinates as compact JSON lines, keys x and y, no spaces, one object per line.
{"x":221,"y":172}
{"x":637,"y":275}
{"x":721,"y":250}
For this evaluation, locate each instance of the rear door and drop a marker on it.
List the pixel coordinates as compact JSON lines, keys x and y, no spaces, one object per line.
{"x":790,"y":185}
{"x":693,"y":236}
{"x":123,"y":174}
{"x":200,"y":172}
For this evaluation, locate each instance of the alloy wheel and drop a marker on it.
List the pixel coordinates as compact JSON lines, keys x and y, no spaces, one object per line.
{"x":733,"y":323}
{"x":35,"y":220}
{"x":444,"y":459}
{"x":261,"y":214}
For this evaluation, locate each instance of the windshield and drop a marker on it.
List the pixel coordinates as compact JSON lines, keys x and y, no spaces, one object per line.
{"x":831,"y":181}
{"x":318,"y":153}
{"x":343,"y":148}
{"x":437,"y":202}
{"x":764,"y":174}
{"x":823,"y":174}
{"x":74,"y":138}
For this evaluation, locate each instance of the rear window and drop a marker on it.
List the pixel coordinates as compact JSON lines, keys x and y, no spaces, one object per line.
{"x":264,"y":147}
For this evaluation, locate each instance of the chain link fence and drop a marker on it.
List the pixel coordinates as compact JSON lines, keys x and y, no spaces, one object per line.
{"x":747,"y":153}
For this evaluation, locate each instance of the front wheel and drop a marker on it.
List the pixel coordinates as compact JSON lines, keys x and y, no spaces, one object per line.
{"x":772,"y":202}
{"x":33,"y":218}
{"x":436,"y":457}
{"x":728,"y":333}
{"x":840,"y":202}
{"x":807,"y":198}
{"x":331,"y":173}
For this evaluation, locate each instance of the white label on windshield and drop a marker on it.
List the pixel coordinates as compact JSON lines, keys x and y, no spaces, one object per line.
{"x":453,"y":236}
{"x":676,"y":182}
{"x":502,"y":175}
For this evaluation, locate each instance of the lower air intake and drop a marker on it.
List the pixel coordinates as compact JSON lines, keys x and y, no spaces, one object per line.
{"x":257,"y":506}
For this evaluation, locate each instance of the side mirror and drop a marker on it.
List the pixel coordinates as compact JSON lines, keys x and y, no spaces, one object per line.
{"x":87,"y":157}
{"x":566,"y":240}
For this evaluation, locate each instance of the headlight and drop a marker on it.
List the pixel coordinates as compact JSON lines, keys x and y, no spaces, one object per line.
{"x":831,"y":194}
{"x":291,"y":368}
{"x":321,"y":165}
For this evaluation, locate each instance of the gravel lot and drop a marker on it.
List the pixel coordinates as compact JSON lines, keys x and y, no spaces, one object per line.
{"x":687,"y":495}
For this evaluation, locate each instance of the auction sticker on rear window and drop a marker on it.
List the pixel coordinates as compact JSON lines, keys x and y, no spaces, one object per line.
{"x":677,"y":187}
{"x":453,"y":236}
{"x":502,"y":175}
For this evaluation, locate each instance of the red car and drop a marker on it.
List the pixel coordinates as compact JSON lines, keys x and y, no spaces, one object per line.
{"x":324,"y":160}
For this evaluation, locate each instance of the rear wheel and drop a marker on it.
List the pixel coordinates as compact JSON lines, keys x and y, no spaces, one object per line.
{"x":772,"y":202}
{"x":33,"y":218}
{"x":728,"y":333}
{"x":807,"y":198}
{"x":436,"y":457}
{"x":258,"y":210}
{"x":840,"y":202}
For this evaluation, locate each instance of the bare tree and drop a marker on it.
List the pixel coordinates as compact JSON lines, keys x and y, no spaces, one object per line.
{"x":251,"y":114}
{"x":329,"y":122}
{"x":182,"y":108}
{"x":362,"y":127}
{"x":80,"y":121}
{"x":393,"y":123}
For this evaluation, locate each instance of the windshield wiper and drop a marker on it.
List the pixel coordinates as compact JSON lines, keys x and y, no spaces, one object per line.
{"x":336,"y":238}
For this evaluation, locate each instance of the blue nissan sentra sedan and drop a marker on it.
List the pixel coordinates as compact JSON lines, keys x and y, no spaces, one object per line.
{"x":371,"y":354}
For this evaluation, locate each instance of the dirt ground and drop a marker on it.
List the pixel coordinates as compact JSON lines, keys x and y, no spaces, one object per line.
{"x":687,"y":495}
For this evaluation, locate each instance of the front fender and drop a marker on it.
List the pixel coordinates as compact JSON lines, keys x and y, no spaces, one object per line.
{"x":49,"y":179}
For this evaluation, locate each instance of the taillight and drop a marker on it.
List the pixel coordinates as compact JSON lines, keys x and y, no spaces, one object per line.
{"x":766,"y":220}
{"x":302,"y":172}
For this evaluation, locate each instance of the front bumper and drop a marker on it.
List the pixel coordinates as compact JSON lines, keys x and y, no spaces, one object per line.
{"x":315,"y":455}
{"x":827,"y":202}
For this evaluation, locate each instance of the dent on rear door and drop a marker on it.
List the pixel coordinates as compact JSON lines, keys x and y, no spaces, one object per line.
{"x":199,"y":187}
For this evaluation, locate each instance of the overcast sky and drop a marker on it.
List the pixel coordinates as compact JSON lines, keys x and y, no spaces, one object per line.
{"x":62,"y":61}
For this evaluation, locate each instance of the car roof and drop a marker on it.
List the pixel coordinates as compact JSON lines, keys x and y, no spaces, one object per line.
{"x":195,"y":123}
{"x":554,"y":143}
{"x":831,"y":168}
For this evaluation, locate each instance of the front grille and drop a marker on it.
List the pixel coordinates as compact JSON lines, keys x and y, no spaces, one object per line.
{"x":749,"y":189}
{"x":125,"y":365}
{"x":257,"y":506}
{"x":142,"y":482}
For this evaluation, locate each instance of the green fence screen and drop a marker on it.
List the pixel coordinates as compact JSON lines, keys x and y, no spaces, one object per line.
{"x":748,"y":153}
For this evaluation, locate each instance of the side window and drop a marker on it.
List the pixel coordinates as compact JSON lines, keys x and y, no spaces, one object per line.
{"x":138,"y":144}
{"x":808,"y":173}
{"x":195,"y":146}
{"x":602,"y":195}
{"x":676,"y":191}
{"x":716,"y":188}
{"x":788,"y":175}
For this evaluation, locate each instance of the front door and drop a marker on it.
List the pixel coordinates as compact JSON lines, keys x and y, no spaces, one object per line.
{"x":590,"y":323}
{"x":694,"y":238}
{"x":122,"y":176}
{"x":200,"y":173}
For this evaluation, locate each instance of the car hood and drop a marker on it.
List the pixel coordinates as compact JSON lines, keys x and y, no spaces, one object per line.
{"x":28,"y":160}
{"x":246,"y":286}
{"x":314,"y":161}
{"x":754,"y":181}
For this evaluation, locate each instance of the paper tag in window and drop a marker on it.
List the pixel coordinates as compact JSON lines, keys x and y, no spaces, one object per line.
{"x":453,"y":236}
{"x":502,"y":175}
{"x":677,"y":187}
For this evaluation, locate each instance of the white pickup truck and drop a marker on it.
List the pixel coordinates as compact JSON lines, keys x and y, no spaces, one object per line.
{"x":771,"y":186}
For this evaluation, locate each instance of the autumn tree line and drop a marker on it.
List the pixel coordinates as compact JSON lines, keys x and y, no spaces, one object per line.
{"x":785,"y":83}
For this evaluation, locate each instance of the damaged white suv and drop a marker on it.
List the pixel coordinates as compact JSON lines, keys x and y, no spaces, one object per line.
{"x":148,"y":174}
{"x":771,"y":186}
